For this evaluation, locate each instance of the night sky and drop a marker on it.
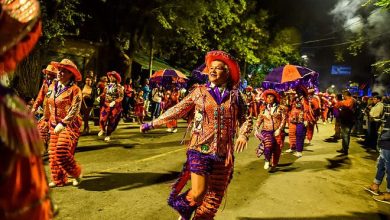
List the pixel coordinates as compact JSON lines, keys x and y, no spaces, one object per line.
{"x":314,"y":20}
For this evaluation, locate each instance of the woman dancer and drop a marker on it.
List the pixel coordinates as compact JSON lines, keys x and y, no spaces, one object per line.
{"x":63,"y":112}
{"x":218,"y":111}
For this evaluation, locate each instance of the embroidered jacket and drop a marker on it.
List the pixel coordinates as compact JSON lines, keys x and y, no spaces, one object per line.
{"x":63,"y":106}
{"x":300,"y":111}
{"x":272,"y":118}
{"x":216,"y":119}
{"x":113,"y":92}
{"x":40,"y":100}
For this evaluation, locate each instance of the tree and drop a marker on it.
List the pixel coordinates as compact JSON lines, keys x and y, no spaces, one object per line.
{"x":60,"y":19}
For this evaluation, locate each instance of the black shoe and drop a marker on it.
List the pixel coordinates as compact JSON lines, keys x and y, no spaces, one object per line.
{"x":342,"y":151}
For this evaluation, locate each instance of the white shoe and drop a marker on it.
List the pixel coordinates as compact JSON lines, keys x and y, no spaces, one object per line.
{"x":266,"y":165}
{"x":52,"y":184}
{"x":298,"y":154}
{"x":108,"y":138}
{"x":101,"y":132}
{"x":77,"y":181}
{"x":324,"y":123}
{"x":174,"y":130}
{"x":289,"y":150}
{"x":169,"y":129}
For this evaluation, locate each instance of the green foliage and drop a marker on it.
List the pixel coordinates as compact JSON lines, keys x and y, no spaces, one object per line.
{"x":60,"y":18}
{"x":382,"y":66}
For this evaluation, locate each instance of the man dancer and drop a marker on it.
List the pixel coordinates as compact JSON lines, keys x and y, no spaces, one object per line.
{"x":218,"y":109}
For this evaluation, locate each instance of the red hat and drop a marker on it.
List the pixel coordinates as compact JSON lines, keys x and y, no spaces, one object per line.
{"x":50,"y":69}
{"x":271,"y":92}
{"x":69,"y":65}
{"x":234,"y":68}
{"x":20,"y":29}
{"x":116,"y":75}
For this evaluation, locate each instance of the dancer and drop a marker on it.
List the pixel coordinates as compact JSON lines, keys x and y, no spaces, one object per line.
{"x":43,"y":126}
{"x":63,"y":112}
{"x":24,"y":193}
{"x":270,"y":128}
{"x":298,"y":121}
{"x":110,"y":113}
{"x":315,"y":111}
{"x":219,"y":107}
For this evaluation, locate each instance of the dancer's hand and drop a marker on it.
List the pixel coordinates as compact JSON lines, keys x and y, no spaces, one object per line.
{"x":112,"y":104}
{"x":277,"y":132}
{"x":241,"y":144}
{"x":305,"y":123}
{"x":59,"y":127}
{"x":146,"y":127}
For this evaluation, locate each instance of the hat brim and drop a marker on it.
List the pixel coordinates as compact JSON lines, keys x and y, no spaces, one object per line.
{"x":13,"y":55}
{"x":271,"y":92}
{"x":46,"y":72}
{"x":116,"y":75}
{"x":234,"y":68}
{"x":76,"y":73}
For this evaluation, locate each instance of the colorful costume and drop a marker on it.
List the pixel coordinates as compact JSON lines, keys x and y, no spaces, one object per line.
{"x":325,"y":104}
{"x":315,"y":110}
{"x":251,"y":102}
{"x":63,"y":108}
{"x":43,"y":125}
{"x":110,"y":113}
{"x":271,"y":121}
{"x":210,"y":148}
{"x":298,"y":119}
{"x":172,"y":100}
{"x":24,"y":192}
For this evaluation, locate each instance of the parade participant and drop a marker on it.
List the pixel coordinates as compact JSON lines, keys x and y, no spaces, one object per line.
{"x":315,"y":111}
{"x":347,"y":119}
{"x":250,"y":101}
{"x":110,"y":113}
{"x":24,"y":193}
{"x":325,"y":104}
{"x":88,"y":93}
{"x":219,"y":108}
{"x":172,"y":100}
{"x":50,"y":74}
{"x":139,"y":108}
{"x":298,"y":121}
{"x":43,"y":126}
{"x":64,"y":101}
{"x":270,"y":128}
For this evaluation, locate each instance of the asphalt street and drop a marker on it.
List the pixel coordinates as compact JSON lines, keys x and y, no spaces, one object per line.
{"x":130,"y":178}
